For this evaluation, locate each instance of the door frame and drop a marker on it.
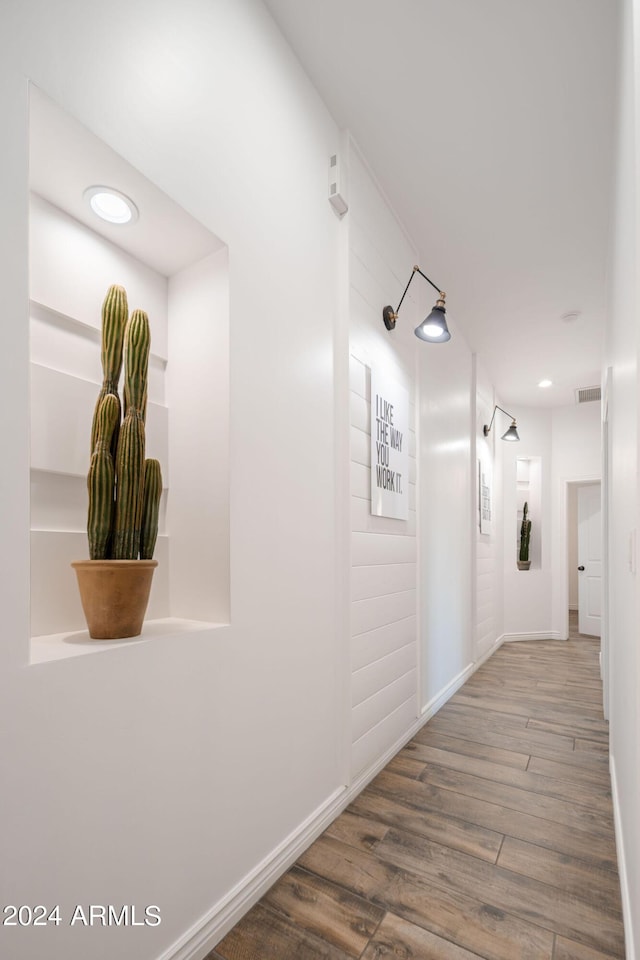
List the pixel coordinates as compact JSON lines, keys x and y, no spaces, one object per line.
{"x":564,"y":580}
{"x":564,"y":547}
{"x":582,"y":588}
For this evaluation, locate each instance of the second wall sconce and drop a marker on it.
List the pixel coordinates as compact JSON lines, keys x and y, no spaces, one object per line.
{"x":512,"y":432}
{"x":433,"y":328}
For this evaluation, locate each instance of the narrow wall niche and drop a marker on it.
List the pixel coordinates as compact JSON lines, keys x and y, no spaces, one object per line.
{"x":177,"y":271}
{"x":529,"y":491}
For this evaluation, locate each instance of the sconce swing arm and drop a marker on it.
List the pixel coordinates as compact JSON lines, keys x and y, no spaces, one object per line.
{"x":511,"y":433}
{"x":389,"y":315}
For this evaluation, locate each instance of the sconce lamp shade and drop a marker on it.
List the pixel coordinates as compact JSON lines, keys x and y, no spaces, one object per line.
{"x":511,"y":434}
{"x":433,"y":328}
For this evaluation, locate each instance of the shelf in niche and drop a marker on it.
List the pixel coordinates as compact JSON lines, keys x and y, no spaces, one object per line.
{"x":43,"y":313}
{"x":40,"y":311}
{"x":62,"y":646}
{"x":62,"y":398}
{"x":44,"y":472}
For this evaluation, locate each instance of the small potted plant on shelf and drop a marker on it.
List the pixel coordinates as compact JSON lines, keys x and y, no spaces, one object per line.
{"x":124,"y":488}
{"x":525,"y":535}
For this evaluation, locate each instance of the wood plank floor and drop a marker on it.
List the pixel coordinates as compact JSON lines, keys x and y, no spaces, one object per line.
{"x":489,"y":835}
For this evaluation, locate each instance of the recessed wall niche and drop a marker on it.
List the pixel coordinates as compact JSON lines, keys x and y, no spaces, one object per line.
{"x":177,"y":271}
{"x":529,"y":490}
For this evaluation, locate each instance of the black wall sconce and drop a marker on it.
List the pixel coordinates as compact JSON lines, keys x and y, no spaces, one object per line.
{"x":433,"y":328}
{"x":511,"y":434}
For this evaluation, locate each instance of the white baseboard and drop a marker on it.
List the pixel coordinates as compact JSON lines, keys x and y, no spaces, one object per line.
{"x":209,"y":930}
{"x":627,"y":914}
{"x":201,"y":938}
{"x":573,"y":606}
{"x":483,"y":657}
{"x":539,"y":635}
{"x":446,"y":693}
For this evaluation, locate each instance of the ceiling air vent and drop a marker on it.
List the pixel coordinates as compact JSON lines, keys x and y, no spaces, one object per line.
{"x":587,"y":394}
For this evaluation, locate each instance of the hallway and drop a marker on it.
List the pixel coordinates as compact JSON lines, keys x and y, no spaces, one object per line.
{"x":489,"y":835}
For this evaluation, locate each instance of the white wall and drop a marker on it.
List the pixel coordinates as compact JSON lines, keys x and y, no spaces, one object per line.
{"x":488,"y":614}
{"x":384,"y":611}
{"x":527,"y":593}
{"x":395,"y":629}
{"x":445,"y":512}
{"x":167,"y":772}
{"x":198,"y":399}
{"x":623,"y":599}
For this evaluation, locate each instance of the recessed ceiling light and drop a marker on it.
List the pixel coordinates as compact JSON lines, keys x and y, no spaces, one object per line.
{"x":111,"y":205}
{"x":545,"y":383}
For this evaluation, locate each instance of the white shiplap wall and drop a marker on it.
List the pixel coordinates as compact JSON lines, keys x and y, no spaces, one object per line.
{"x":384,"y":613}
{"x":489,"y":561}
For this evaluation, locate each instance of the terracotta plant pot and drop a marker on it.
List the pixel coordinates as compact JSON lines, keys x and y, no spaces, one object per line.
{"x":114,"y":595}
{"x":523,"y":564}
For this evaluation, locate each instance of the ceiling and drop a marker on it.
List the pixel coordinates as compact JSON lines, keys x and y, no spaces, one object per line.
{"x":490,"y":127}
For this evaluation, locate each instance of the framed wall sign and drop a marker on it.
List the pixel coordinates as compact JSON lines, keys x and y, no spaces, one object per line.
{"x":389,"y":447}
{"x":485,"y":495}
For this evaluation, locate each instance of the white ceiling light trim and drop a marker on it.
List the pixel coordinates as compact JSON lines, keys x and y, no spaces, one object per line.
{"x":545,"y":383}
{"x":111,"y":205}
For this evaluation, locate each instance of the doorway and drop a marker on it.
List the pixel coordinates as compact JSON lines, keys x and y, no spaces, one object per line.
{"x":584,"y":538}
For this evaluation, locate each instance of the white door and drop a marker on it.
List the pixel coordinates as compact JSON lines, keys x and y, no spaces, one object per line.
{"x":589,"y":559}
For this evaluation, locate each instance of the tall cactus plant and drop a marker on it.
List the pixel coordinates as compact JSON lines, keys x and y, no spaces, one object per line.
{"x":101,"y":479}
{"x":525,"y":534}
{"x":150,"y":508}
{"x":131,"y":443}
{"x":124,"y":492}
{"x":115,"y":312}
